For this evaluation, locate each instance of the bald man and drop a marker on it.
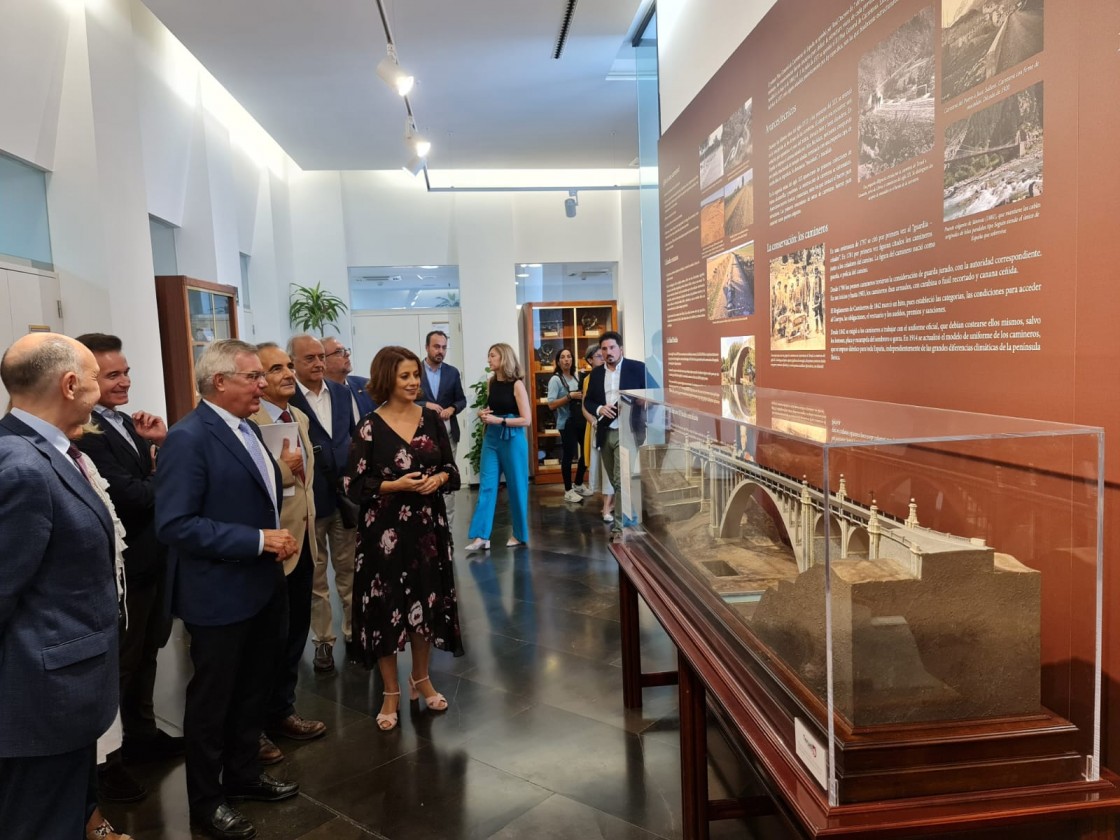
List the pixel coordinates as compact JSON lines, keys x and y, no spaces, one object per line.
{"x":58,"y":595}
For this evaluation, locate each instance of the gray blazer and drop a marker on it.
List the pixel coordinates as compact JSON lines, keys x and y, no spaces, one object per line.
{"x":58,"y":601}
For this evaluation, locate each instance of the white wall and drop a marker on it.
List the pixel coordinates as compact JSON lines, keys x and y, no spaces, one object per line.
{"x":128,"y":124}
{"x":694,"y":39}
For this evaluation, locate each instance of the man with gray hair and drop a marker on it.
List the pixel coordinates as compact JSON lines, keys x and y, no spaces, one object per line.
{"x":58,"y":594}
{"x":218,"y":495}
{"x":327,"y":405}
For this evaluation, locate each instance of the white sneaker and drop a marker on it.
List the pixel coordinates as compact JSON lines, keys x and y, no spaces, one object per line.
{"x":572,"y":496}
{"x":584,"y":490}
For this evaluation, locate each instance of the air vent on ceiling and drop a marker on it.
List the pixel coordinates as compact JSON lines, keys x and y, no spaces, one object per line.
{"x":379,"y":278}
{"x":565,"y":27}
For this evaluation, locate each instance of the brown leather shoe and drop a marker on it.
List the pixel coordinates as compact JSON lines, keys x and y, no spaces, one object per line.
{"x":298,"y":729}
{"x":269,"y":753}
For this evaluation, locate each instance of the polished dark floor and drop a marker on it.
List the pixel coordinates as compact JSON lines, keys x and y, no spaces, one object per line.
{"x":535,"y":744}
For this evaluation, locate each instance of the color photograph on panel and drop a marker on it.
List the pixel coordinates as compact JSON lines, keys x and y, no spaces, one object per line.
{"x":797,"y":300}
{"x":711,"y":159}
{"x":730,"y":281}
{"x":737,"y":139}
{"x":982,"y":38}
{"x":995,"y":156}
{"x":738,"y":205}
{"x":896,"y":93}
{"x":712,"y":220}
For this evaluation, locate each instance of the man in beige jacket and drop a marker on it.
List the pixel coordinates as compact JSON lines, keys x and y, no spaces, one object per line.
{"x":297,"y":467}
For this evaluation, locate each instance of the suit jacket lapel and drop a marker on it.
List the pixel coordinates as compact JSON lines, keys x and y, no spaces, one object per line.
{"x":65,"y":469}
{"x":303,"y":405}
{"x":118,"y":443}
{"x":230,"y":441}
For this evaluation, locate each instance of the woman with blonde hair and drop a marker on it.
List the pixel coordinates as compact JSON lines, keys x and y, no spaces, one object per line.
{"x":504,"y":450}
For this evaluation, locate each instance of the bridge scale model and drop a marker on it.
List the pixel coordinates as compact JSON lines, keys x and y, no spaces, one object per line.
{"x":921,"y":620}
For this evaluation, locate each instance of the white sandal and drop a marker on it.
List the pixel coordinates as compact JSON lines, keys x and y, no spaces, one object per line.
{"x":436,"y":703}
{"x":387,"y":721}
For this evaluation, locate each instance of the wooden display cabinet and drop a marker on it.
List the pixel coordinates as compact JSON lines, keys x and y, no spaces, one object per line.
{"x":192,"y":313}
{"x":547,"y":329}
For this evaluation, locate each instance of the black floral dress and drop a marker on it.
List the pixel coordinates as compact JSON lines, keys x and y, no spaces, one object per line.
{"x":404,"y":581}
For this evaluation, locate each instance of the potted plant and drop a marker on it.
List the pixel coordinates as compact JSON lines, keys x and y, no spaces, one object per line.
{"x":312,"y":309}
{"x":478,"y":429}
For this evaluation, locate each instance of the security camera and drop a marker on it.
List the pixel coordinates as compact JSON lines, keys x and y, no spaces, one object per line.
{"x":570,"y":204}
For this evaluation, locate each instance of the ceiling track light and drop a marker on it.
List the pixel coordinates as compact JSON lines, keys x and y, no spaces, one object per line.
{"x":571,"y":203}
{"x":565,"y":28}
{"x":390,"y":72}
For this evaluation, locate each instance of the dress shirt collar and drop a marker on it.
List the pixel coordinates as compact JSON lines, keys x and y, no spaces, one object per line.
{"x":51,"y":433}
{"x":274,"y":411}
{"x":230,"y":420}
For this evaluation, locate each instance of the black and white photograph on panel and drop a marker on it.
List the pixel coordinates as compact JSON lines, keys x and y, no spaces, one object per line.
{"x":737,"y":139}
{"x":982,"y":38}
{"x":711,"y":159}
{"x":994,"y":157}
{"x":896,"y":85}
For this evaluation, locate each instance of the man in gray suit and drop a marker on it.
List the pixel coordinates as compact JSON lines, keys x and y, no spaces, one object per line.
{"x":58,"y":595}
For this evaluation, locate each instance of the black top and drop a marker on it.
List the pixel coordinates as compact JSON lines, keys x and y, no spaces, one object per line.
{"x":501,"y":400}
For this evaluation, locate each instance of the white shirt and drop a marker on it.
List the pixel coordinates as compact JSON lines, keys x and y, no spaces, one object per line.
{"x":113,"y":417}
{"x":610,"y":388}
{"x":51,"y":433}
{"x":320,"y":403}
{"x":234,"y":424}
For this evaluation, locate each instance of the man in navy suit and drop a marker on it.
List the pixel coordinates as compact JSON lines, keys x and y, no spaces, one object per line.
{"x":58,"y":594}
{"x":338,"y":369}
{"x":441,"y":389}
{"x":122,"y":454}
{"x":616,"y":374}
{"x":327,"y":405}
{"x":218,"y":495}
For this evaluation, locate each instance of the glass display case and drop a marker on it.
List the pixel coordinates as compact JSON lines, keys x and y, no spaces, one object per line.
{"x":547,"y":329}
{"x":909,"y":598}
{"x":192,"y":313}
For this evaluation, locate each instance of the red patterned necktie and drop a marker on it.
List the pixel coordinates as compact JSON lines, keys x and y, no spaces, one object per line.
{"x":76,"y":454}
{"x":285,"y":417}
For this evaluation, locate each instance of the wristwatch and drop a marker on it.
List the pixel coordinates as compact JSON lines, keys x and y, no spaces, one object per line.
{"x":503,"y":421}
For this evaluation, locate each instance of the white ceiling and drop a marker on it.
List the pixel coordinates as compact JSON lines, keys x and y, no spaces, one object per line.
{"x":488,"y":92}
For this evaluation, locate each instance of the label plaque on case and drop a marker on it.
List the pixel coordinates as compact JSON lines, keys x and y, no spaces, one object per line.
{"x":811,"y":752}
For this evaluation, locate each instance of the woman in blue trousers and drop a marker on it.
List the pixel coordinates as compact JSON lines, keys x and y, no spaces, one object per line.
{"x":504,"y":450}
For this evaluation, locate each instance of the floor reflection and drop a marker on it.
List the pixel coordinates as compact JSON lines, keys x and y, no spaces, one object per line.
{"x":535,"y":743}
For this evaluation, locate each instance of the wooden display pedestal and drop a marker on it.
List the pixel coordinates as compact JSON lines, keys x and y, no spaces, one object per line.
{"x":1022,"y":776}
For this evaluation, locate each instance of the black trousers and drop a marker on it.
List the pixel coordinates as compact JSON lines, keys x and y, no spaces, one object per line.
{"x":282,"y":701}
{"x":570,"y":437}
{"x":234,"y":671}
{"x":149,"y":626}
{"x":48,"y":796}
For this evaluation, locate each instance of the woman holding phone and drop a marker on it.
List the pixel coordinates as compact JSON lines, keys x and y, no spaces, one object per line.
{"x":566,"y":398}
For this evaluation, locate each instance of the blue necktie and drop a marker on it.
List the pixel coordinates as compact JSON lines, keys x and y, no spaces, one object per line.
{"x":254,"y":447}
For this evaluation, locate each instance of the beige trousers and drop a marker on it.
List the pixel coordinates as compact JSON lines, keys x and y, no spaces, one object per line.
{"x":336,"y":543}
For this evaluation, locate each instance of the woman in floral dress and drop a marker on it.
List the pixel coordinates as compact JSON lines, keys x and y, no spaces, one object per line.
{"x":401,"y":463}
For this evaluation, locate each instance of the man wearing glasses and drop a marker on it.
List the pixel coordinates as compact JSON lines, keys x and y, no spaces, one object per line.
{"x":218,"y":497}
{"x":327,"y":406}
{"x":338,"y":370}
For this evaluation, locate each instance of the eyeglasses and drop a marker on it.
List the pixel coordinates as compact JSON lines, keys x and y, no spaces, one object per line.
{"x":253,"y":376}
{"x":341,"y":351}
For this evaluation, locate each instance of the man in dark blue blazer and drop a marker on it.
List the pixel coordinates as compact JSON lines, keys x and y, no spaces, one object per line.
{"x":441,"y":389}
{"x":218,"y":495}
{"x":58,"y":594}
{"x":123,"y":456}
{"x":616,"y":374}
{"x":327,"y":405}
{"x":338,"y":369}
